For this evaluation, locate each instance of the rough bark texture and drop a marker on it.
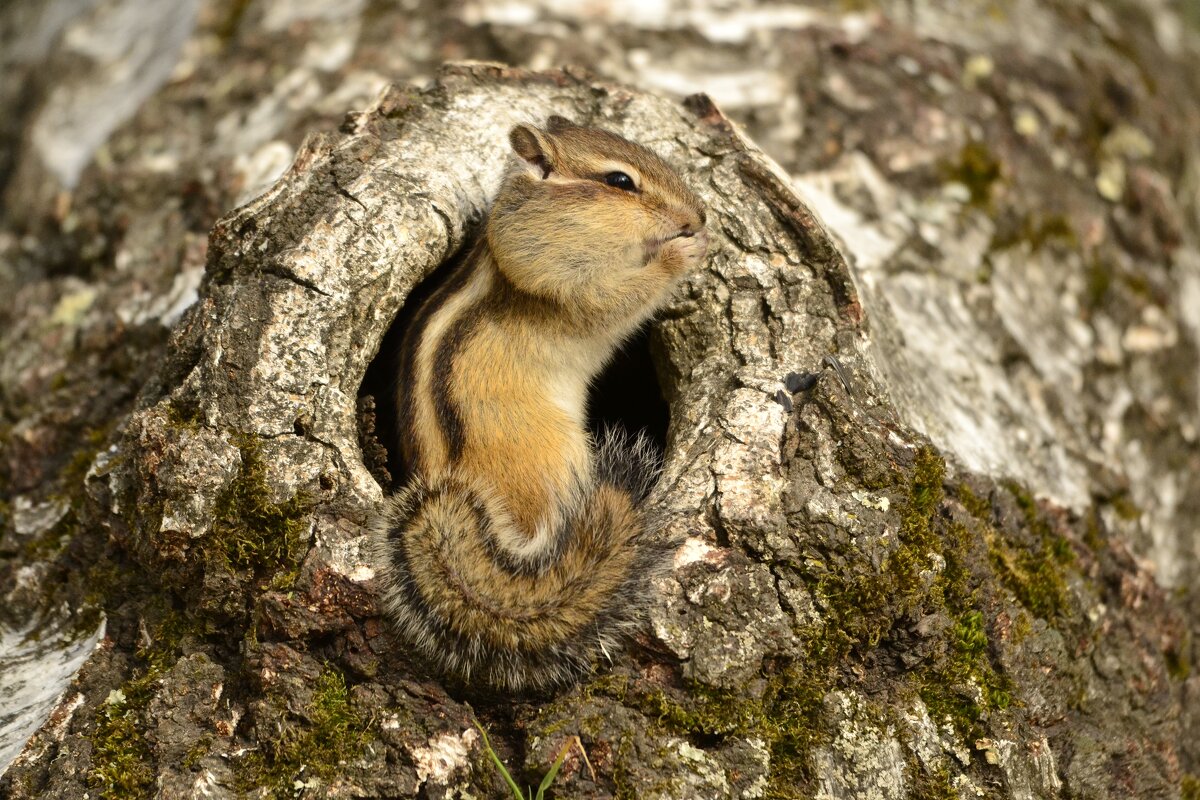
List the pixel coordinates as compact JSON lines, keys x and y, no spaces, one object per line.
{"x":958,"y":559}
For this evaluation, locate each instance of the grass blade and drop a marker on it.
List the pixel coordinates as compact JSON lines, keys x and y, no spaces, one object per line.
{"x":558,"y":762}
{"x":487,"y":745}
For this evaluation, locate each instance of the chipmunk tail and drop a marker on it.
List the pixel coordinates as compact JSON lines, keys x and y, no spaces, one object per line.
{"x":489,"y":616}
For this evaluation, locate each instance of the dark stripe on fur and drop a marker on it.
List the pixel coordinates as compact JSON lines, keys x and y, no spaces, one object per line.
{"x":408,"y":388}
{"x":528,"y":567}
{"x":449,"y":420}
{"x":541,"y":664}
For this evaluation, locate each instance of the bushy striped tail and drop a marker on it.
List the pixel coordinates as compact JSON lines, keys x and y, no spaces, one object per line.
{"x":479,"y":613}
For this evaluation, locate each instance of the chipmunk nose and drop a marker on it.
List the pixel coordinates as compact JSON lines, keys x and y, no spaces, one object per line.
{"x":694,"y":224}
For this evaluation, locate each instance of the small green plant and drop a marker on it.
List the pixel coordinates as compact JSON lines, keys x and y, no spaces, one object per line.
{"x":550,"y":776}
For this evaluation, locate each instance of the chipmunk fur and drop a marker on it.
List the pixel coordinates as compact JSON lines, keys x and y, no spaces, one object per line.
{"x":518,"y":550}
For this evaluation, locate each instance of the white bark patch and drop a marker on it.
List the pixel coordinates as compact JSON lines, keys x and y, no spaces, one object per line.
{"x":1029,"y":771}
{"x":717,"y":24}
{"x":348,"y":557}
{"x":133,"y":47}
{"x":746,"y":464}
{"x":164,"y":307}
{"x":37,"y":664}
{"x":863,"y":762}
{"x":261,"y":168}
{"x":696,"y":549}
{"x":941,"y":363}
{"x":444,"y":756}
{"x":30,"y":518}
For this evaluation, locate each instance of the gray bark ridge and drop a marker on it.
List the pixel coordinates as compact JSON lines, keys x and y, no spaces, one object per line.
{"x":844,"y":620}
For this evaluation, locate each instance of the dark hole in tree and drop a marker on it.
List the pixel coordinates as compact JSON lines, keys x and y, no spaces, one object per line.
{"x":381,"y":376}
{"x":626,"y":394}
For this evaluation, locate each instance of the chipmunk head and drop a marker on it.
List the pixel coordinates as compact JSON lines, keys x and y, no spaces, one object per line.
{"x":591,"y":220}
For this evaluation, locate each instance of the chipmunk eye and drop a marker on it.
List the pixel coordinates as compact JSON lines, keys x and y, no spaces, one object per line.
{"x":620,"y":180}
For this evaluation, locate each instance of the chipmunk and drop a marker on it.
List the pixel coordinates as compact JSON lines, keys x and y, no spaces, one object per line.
{"x":518,"y":550}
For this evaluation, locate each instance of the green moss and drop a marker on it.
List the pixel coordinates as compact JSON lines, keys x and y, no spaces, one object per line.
{"x":1022,"y":627}
{"x":169,"y":628}
{"x":120,"y":756}
{"x":331,"y":734}
{"x":970,"y":654}
{"x":253,"y":534}
{"x":1036,"y":582}
{"x":867,"y":461}
{"x":978,"y":507}
{"x":623,"y":786}
{"x":965,"y":685}
{"x":709,"y":711}
{"x":1099,"y":282}
{"x":927,"y":785}
{"x":92,"y":441}
{"x":925,"y":488}
{"x":918,"y":539}
{"x":1093,"y":534}
{"x":703,"y":710}
{"x":183,"y":415}
{"x":948,"y":705}
{"x":978,"y":170}
{"x":862,"y":604}
{"x":794,"y":701}
{"x":72,"y":589}
{"x":1036,"y":230}
{"x":1125,"y":507}
{"x":861,"y":610}
{"x":926,"y":574}
{"x":197,"y":751}
{"x":1179,"y":666}
{"x":70,"y":482}
{"x":103,"y":580}
{"x":121,"y":765}
{"x":1189,"y":788}
{"x":787,"y":717}
{"x":1036,"y":575}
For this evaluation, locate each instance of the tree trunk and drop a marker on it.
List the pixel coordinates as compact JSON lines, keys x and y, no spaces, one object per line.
{"x":932,"y":471}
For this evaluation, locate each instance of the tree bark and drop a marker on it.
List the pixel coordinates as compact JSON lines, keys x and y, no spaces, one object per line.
{"x":914,"y":561}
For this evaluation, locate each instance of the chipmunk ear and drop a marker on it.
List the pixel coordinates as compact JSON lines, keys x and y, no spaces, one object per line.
{"x":557,"y":124}
{"x":533,"y":147}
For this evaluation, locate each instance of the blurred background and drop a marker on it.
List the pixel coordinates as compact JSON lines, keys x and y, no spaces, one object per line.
{"x":798,"y":75}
